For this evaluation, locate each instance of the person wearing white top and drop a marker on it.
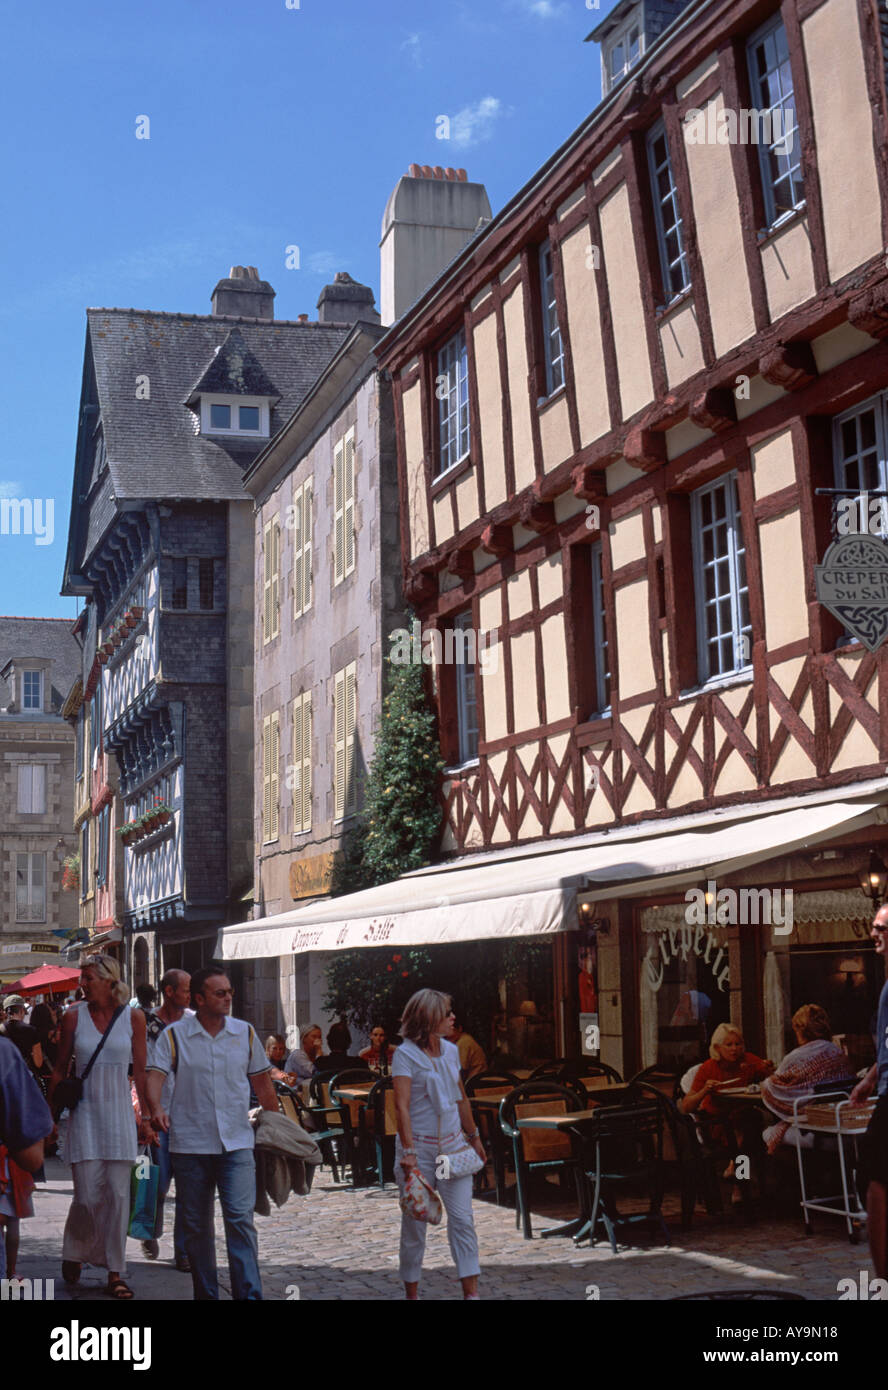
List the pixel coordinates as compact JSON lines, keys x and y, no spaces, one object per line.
{"x":175,"y":994}
{"x":433,"y":1114}
{"x":101,"y":1143}
{"x":215,"y":1059}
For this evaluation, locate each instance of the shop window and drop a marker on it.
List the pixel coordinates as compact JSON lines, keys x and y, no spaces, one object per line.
{"x":685,"y":989}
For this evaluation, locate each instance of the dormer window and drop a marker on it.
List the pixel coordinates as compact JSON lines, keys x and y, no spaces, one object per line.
{"x":622,"y":50}
{"x":32,"y":690}
{"x":247,"y":416}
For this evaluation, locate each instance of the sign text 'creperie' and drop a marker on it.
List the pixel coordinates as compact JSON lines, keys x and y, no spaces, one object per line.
{"x":375,"y":933}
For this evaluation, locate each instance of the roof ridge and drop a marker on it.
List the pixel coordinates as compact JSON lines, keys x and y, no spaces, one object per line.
{"x":28,"y":618}
{"x":213,"y":318}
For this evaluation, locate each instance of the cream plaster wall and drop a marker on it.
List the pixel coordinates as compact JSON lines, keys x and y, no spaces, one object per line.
{"x":516,"y":351}
{"x":783,"y":580}
{"x":490,"y":410}
{"x":584,"y":323}
{"x":773,"y":464}
{"x":843,"y":127}
{"x":555,"y":669}
{"x":519,"y":595}
{"x":550,"y":579}
{"x":717,"y":213}
{"x":788,"y":268}
{"x":627,"y":539}
{"x":467,"y":508}
{"x":636,"y":665}
{"x":555,"y":433}
{"x":524,"y":686}
{"x":680,"y":340}
{"x":417,"y":510}
{"x":442,"y":509}
{"x":627,"y":313}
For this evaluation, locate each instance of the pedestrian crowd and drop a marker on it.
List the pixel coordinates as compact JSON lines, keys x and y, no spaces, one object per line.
{"x":178,"y":1080}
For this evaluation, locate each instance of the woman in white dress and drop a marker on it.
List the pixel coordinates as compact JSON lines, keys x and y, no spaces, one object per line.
{"x":101,"y":1142}
{"x":434,"y":1118}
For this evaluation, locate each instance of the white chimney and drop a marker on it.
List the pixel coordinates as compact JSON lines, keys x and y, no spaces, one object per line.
{"x":430,"y":217}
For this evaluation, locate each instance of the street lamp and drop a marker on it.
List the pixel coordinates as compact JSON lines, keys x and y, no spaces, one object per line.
{"x":873,"y":880}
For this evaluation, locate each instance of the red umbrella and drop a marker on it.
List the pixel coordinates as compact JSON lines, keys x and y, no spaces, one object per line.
{"x":48,"y":979}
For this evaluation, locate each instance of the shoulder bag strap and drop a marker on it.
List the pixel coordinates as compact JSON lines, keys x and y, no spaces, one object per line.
{"x":91,"y":1063}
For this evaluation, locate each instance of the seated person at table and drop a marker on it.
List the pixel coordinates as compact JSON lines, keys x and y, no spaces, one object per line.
{"x":728,"y":1062}
{"x":276,"y":1052}
{"x":301,"y":1061}
{"x":816,"y":1059}
{"x":379,"y":1054}
{"x":337,"y":1057}
{"x":472,"y":1057}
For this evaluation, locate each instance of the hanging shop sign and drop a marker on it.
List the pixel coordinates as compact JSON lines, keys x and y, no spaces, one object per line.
{"x":852,"y":583}
{"x":681,"y":941}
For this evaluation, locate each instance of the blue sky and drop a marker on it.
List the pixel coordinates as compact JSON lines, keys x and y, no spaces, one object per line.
{"x":269,"y":126}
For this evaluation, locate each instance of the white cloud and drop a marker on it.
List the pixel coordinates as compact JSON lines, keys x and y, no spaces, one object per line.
{"x":324,"y":262}
{"x":474,"y":124}
{"x":543,"y":9}
{"x":10,"y":489}
{"x":412,"y":46}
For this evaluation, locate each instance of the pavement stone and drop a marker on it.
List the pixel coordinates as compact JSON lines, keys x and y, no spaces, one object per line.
{"x":339,"y":1244}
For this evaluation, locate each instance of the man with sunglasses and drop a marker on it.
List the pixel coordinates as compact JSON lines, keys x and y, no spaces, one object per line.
{"x":214,"y":1059}
{"x":873,"y":1170}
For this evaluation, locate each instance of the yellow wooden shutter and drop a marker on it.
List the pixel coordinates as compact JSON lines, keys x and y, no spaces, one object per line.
{"x":306,"y":543}
{"x":274,"y":788}
{"x":348,"y":503}
{"x":350,"y":719}
{"x":266,"y":595}
{"x":338,"y":514}
{"x":339,"y":745}
{"x":297,"y":764}
{"x":298,"y":589}
{"x":266,"y":779}
{"x":275,"y":578}
{"x":306,"y":760}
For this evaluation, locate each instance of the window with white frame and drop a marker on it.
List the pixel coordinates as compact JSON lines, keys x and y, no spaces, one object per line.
{"x":779,"y":146}
{"x":466,"y":691}
{"x":302,"y":750}
{"x":344,"y":722}
{"x":344,"y":508}
{"x":271,"y":751}
{"x":302,"y":525}
{"x":860,"y":457}
{"x":32,"y":789}
{"x":30,"y":887}
{"x":724,"y":629}
{"x":79,"y":736}
{"x":244,"y":415}
{"x":452,"y":391}
{"x":84,"y":860}
{"x":271,"y":607}
{"x":553,"y":346}
{"x":599,"y":630}
{"x":670,"y":234}
{"x":622,"y":50}
{"x":32,"y":690}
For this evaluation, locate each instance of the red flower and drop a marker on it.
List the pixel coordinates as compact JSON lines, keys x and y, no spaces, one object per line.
{"x":404,"y":974}
{"x":396,"y":960}
{"x":388,"y":967}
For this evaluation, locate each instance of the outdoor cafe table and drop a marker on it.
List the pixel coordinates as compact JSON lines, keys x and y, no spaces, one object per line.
{"x":574,"y":1124}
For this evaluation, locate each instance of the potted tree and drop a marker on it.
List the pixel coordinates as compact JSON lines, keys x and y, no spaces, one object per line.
{"x":71,"y":873}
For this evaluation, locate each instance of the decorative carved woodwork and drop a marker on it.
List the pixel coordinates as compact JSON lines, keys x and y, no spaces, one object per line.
{"x":715,"y":409}
{"x":790,"y":365}
{"x":869,"y":311}
{"x":497,"y":540}
{"x":535,"y":514}
{"x":420,"y":587}
{"x":460,"y":563}
{"x":589,"y":482}
{"x":645,"y":449}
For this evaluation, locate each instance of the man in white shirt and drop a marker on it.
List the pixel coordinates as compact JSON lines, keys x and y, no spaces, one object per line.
{"x":215,"y":1059}
{"x":175,"y":994}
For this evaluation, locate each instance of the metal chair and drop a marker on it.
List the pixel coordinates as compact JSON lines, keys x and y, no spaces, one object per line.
{"x":697,"y":1178}
{"x":537,"y":1150}
{"x":492,"y":1083}
{"x":572,"y":1069}
{"x":313,"y":1120}
{"x":350,"y":1112}
{"x":623,"y":1148}
{"x":378,"y":1125}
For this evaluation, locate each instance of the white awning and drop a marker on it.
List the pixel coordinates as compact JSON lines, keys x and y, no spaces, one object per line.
{"x":532,"y":890}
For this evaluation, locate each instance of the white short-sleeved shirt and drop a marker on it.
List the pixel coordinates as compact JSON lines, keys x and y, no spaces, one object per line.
{"x":424,"y":1119}
{"x":151,"y":1039}
{"x":211,"y":1098}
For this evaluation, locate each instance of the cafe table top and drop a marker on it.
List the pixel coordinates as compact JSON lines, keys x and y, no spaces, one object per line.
{"x":355,"y":1091}
{"x":555,"y":1121}
{"x":735,"y":1093}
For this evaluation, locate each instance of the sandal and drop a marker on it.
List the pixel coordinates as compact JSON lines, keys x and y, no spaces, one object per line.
{"x":71,"y":1271}
{"x":116,"y":1288}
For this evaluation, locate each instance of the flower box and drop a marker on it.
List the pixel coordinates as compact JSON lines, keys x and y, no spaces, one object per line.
{"x":103,"y":657}
{"x":71,"y":873}
{"x":107,"y":647}
{"x":137,"y":612}
{"x":130,"y":619}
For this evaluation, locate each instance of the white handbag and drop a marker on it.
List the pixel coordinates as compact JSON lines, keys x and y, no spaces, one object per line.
{"x":463,"y":1162}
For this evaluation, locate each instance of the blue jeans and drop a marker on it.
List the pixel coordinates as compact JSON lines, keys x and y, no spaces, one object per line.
{"x":160,"y":1154}
{"x":197,"y":1177}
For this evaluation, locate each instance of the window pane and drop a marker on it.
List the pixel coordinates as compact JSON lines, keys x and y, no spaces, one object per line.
{"x":220,"y":417}
{"x":31,"y":690}
{"x":249,"y":417}
{"x":180,"y":582}
{"x":206,"y":572}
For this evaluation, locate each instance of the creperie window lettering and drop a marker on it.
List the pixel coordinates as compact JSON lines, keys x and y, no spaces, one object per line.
{"x":682,"y":940}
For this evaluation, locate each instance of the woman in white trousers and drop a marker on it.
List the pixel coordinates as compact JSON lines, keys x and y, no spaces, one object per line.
{"x":433,"y":1115}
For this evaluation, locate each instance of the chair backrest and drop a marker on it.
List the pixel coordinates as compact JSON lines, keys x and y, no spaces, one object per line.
{"x":382,"y":1102}
{"x":568,"y":1069}
{"x":630,"y":1135}
{"x":288,"y":1106}
{"x":539,"y":1098}
{"x":490,"y":1083}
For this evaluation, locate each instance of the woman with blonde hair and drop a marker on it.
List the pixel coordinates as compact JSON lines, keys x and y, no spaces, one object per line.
{"x":729,"y":1063}
{"x":104,"y":1036}
{"x":433,"y":1116}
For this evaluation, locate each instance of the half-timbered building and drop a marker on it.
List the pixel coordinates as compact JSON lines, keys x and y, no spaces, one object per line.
{"x":616,"y":412}
{"x":174,"y":410}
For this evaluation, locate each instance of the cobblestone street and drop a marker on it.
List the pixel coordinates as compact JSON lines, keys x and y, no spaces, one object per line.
{"x":340,"y":1244}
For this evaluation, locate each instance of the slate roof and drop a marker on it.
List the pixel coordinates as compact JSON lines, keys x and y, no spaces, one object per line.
{"x":43,"y":637}
{"x":153,"y":446}
{"x":235,"y":371}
